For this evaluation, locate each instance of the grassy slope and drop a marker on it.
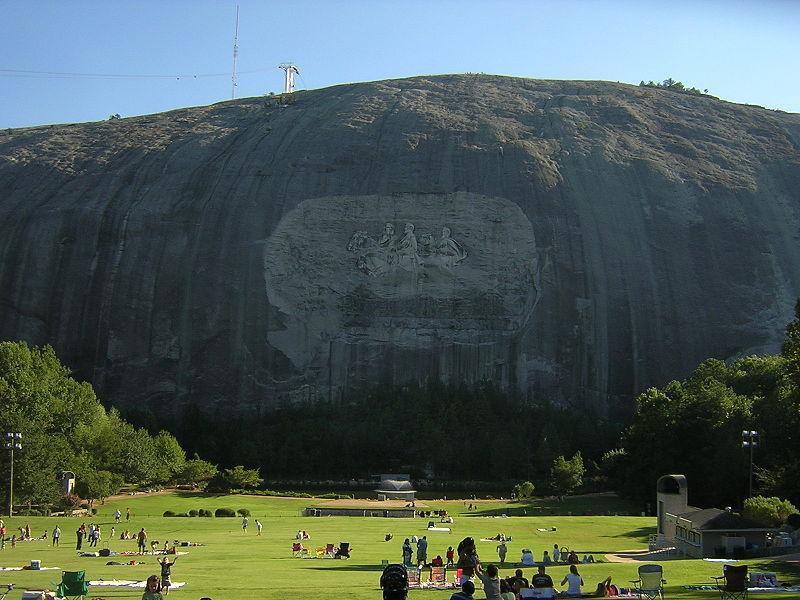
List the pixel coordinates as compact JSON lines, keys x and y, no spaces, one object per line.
{"x":233,"y":565}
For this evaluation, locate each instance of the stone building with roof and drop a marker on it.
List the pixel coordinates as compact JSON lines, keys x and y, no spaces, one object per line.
{"x":703,"y":532}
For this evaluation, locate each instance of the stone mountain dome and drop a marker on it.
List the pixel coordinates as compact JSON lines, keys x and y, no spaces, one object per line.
{"x":577,"y":241}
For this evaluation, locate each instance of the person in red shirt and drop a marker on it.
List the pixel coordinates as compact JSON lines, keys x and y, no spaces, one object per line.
{"x":450,"y":556}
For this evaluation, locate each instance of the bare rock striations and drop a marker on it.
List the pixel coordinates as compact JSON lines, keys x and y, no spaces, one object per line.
{"x":576,"y":240}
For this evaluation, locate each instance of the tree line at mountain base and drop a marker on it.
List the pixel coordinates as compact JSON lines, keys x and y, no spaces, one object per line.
{"x":433,"y":431}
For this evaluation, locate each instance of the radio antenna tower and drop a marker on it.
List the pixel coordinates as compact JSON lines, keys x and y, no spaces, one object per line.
{"x":288,"y":80}
{"x":234,"y":81}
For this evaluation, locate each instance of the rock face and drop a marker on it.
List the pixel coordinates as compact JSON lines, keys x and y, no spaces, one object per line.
{"x":576,"y":240}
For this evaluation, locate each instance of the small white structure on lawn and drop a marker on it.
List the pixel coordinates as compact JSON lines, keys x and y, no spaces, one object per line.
{"x":67,"y":479}
{"x":394,"y":486}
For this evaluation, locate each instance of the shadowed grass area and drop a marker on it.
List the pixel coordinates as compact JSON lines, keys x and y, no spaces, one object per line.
{"x":233,"y":565}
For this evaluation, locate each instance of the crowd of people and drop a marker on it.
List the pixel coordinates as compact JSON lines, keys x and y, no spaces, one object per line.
{"x":91,"y":534}
{"x":496,"y":588}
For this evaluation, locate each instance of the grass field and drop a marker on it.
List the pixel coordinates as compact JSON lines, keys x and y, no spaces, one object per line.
{"x":233,"y":565}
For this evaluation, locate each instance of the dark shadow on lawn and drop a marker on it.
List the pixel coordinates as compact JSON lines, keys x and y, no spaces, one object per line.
{"x":345,"y":565}
{"x":641,"y":532}
{"x":191,"y":494}
{"x":786,"y":571}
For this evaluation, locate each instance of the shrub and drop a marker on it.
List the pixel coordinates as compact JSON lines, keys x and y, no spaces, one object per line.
{"x":70,"y":502}
{"x":770,"y":512}
{"x":94,"y":511}
{"x":243,"y":512}
{"x":524,"y":490}
{"x":194,"y":512}
{"x":168,"y":513}
{"x":224,"y":512}
{"x":204,"y":512}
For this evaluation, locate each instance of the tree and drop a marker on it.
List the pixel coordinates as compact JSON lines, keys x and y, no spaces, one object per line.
{"x":97,"y":485}
{"x":769,"y":512}
{"x":65,"y":427}
{"x":791,"y":347}
{"x":196,"y":471}
{"x":524,"y":490}
{"x":567,"y":475}
{"x":170,"y":459}
{"x":240,"y":478}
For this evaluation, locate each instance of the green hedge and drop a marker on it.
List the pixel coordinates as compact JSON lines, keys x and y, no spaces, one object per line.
{"x":224,"y":512}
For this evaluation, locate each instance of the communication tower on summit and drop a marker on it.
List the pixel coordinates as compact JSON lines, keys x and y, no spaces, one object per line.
{"x":234,"y":78}
{"x":289,"y":71}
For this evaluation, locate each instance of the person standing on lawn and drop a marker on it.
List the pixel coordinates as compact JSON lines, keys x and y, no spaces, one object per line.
{"x":259,"y":526}
{"x":166,"y":572}
{"x":56,"y":535}
{"x":502,"y":550}
{"x":141,"y":538}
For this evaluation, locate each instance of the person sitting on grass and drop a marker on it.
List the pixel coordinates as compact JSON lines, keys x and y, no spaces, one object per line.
{"x":603,"y":589}
{"x":505,"y":591}
{"x":543,"y":583}
{"x":575,"y":582}
{"x":437,"y":562}
{"x":467,"y":589}
{"x":546,"y":558}
{"x":518,"y":581}
{"x":152,"y":590}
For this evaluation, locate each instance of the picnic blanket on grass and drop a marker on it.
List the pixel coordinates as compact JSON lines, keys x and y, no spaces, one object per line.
{"x":27,"y":568}
{"x":751,"y":590}
{"x":128,"y":583}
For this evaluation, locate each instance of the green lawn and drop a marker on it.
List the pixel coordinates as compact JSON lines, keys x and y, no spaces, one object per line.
{"x":233,"y":565}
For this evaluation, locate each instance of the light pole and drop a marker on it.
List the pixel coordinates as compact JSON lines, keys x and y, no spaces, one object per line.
{"x":750,"y":440}
{"x":13,"y":441}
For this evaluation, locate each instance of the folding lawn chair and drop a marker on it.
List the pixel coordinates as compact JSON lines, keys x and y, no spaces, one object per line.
{"x":320,"y":552}
{"x":438,"y":577}
{"x":650,"y":585}
{"x":733,"y":583}
{"x":343,"y":551}
{"x":413,"y":578}
{"x":298,"y":550}
{"x":73,"y":585}
{"x":330,"y":551}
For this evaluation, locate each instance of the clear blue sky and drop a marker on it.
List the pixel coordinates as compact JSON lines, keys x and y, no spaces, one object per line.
{"x":741,"y":51}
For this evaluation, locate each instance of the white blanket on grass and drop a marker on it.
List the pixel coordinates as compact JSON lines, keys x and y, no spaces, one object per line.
{"x":127,"y":583}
